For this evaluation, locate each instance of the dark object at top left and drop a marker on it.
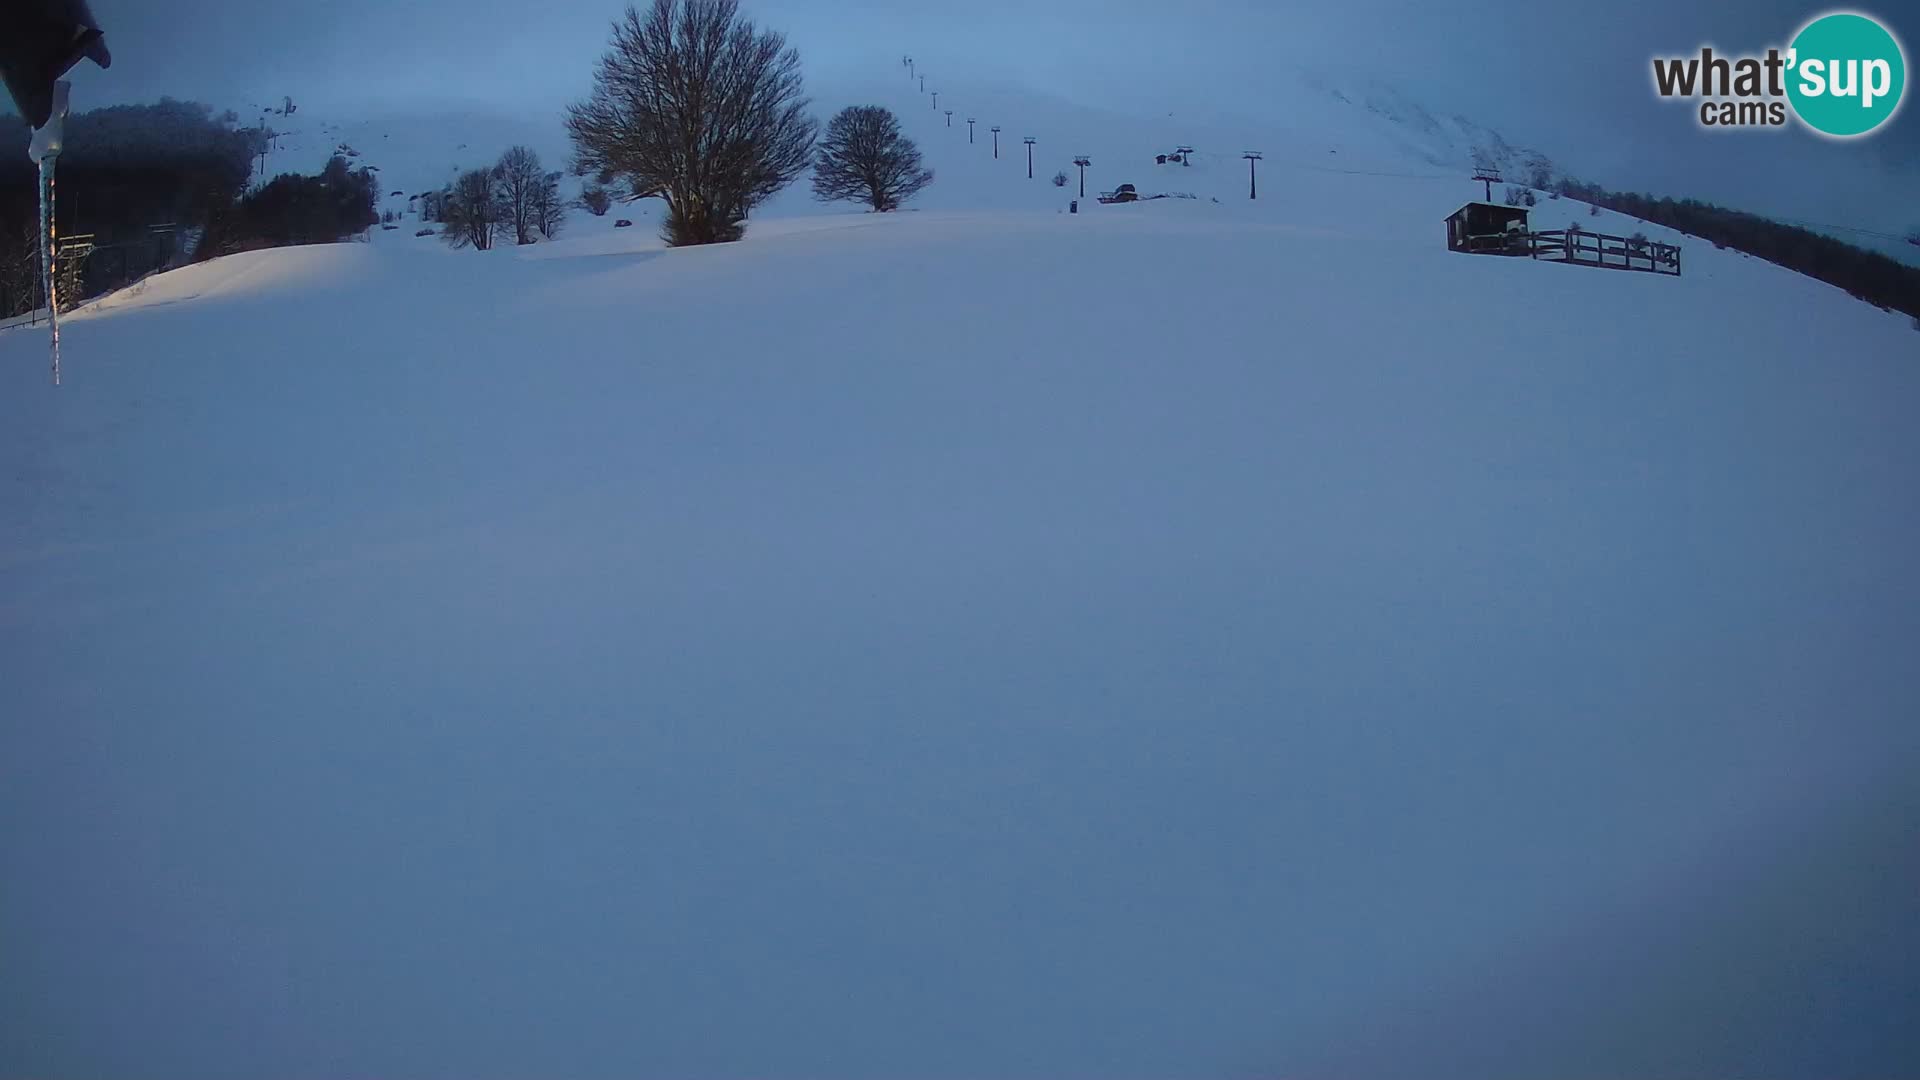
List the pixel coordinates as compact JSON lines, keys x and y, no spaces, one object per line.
{"x":41,"y":40}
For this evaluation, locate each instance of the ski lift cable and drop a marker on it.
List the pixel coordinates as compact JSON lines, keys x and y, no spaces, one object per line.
{"x":1328,"y":168}
{"x":1853,"y":229}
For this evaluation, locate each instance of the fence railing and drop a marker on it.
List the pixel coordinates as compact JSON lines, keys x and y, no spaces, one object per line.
{"x":88,"y":268}
{"x":1581,"y":248}
{"x":1604,"y":251}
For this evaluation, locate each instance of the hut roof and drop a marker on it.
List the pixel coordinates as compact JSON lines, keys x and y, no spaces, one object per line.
{"x":1492,"y":205}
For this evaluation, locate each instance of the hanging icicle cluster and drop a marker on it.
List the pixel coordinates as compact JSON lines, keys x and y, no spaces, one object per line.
{"x":41,"y":40}
{"x":45,"y":151}
{"x":49,"y":281}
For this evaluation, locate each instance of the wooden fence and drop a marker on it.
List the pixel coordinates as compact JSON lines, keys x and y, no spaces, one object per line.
{"x":1607,"y":252}
{"x":1581,"y":248}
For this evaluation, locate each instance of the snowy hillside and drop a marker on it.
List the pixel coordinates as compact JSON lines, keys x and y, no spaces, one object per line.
{"x":1376,"y":129}
{"x":1189,"y":638}
{"x":1452,"y":141}
{"x":412,"y":149}
{"x":1323,"y":145}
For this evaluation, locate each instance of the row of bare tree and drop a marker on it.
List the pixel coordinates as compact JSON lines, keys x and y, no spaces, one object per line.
{"x":515,"y":197}
{"x":695,"y":105}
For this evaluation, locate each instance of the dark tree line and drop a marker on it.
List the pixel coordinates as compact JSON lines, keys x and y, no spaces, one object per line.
{"x":124,"y":169}
{"x":865,"y":158}
{"x":696,"y":105}
{"x":295,"y":209}
{"x":130,"y":166}
{"x":1866,"y":275}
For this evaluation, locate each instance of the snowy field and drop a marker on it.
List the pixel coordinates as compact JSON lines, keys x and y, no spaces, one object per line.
{"x":1175,"y":640}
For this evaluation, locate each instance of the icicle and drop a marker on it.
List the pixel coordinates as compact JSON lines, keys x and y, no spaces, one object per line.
{"x":45,"y":150}
{"x":49,"y":279}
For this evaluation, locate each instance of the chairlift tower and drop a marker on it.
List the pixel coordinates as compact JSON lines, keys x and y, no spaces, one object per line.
{"x":1489,"y":177}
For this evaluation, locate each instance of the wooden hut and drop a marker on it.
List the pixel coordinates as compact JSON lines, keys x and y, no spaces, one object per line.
{"x":1486,"y":228}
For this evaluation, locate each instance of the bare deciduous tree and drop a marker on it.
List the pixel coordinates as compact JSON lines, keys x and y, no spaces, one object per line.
{"x":864,"y":157}
{"x":470,"y":211}
{"x":518,"y":181}
{"x":596,"y":199}
{"x":549,"y":212}
{"x":698,"y":106}
{"x":1539,"y":171}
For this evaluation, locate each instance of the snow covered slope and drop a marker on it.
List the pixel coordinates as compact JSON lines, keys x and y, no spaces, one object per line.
{"x":1376,"y":129}
{"x":1452,"y":141}
{"x":416,"y":149}
{"x":411,"y":150}
{"x":1323,"y":144}
{"x":1177,"y":639}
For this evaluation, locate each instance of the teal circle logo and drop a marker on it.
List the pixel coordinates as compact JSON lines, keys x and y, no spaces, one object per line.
{"x":1847,"y":74}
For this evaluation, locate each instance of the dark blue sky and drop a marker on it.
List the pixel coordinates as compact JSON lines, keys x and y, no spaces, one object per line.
{"x":1571,"y":81}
